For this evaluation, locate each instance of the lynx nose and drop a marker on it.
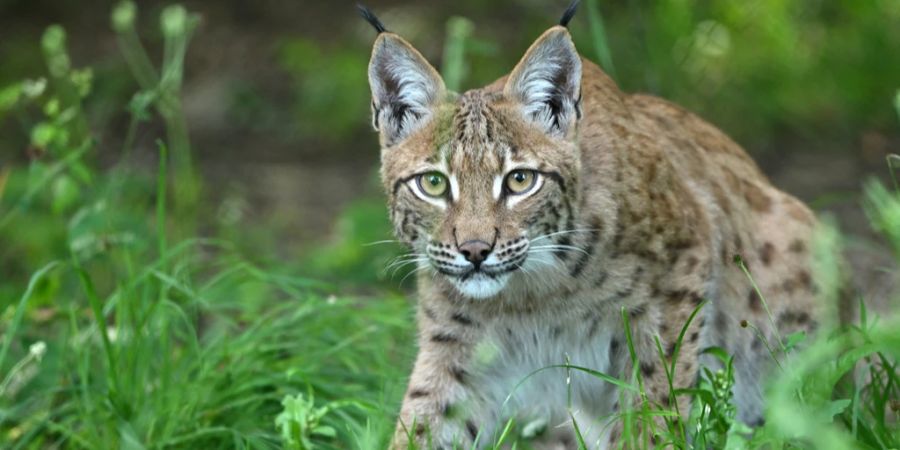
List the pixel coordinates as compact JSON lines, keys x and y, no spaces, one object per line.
{"x":475,"y":251}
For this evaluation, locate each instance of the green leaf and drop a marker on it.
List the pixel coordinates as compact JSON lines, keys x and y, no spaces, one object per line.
{"x":719,"y":353}
{"x":123,"y":16}
{"x":834,"y":408}
{"x":9,"y":97}
{"x":43,"y":134}
{"x":735,"y":438}
{"x":140,"y":104}
{"x":897,"y":103}
{"x":791,"y":340}
{"x":173,"y":21}
{"x":324,"y":430}
{"x":65,"y":194}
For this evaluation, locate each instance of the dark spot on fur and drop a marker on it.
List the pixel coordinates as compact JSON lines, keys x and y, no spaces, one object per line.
{"x":637,"y":311}
{"x":420,"y":429}
{"x":563,"y":253}
{"x":418,"y":393}
{"x":676,"y":296}
{"x":462,"y":319}
{"x":804,"y":279}
{"x":613,"y":346}
{"x":753,"y":301}
{"x":723,"y":255}
{"x":444,"y":338}
{"x":596,"y":226}
{"x":789,"y":317}
{"x":601,"y":279}
{"x":429,"y":313}
{"x":671,"y":349}
{"x":472,"y":429}
{"x":694,"y":336}
{"x":696,"y":299}
{"x":592,"y":329}
{"x":789,"y":286}
{"x":767,"y":253}
{"x":614,"y":436}
{"x":691,"y":263}
{"x":755,"y":197}
{"x":721,"y":322}
{"x":797,"y":246}
{"x":459,"y":374}
{"x":648,"y":369}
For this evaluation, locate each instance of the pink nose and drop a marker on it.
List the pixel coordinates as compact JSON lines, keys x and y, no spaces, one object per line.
{"x":475,"y":251}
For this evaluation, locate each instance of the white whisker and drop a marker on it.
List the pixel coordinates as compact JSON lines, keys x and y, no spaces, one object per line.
{"x":572,"y":248}
{"x":386,"y":241}
{"x":414,"y":271}
{"x":549,"y":235}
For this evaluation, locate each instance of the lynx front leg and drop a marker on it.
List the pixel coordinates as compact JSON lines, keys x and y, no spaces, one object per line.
{"x":661,"y":318}
{"x":436,"y":408}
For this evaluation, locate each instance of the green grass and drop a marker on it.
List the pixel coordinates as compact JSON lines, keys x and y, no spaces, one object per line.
{"x":120,"y":328}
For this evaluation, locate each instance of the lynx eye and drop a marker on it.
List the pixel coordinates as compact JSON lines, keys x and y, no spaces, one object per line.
{"x":432,"y":184}
{"x":520,"y":181}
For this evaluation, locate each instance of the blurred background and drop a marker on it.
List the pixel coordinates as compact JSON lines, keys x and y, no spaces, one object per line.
{"x":129,"y":132}
{"x":277,"y":103}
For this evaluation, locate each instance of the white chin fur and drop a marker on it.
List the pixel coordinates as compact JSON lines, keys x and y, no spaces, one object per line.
{"x":480,"y":286}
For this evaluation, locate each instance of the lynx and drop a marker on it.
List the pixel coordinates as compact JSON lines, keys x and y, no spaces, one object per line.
{"x":546,"y":208}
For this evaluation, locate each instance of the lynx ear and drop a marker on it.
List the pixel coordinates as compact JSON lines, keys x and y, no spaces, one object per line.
{"x":547,"y":82}
{"x":404,"y":88}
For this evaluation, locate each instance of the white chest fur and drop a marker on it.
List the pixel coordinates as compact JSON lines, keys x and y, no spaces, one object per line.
{"x":517,"y":373}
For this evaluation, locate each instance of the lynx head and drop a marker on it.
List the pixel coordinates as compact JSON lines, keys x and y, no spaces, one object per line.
{"x":481,"y":185}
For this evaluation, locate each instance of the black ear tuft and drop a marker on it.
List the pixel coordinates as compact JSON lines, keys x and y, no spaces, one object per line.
{"x":370,"y":17}
{"x":570,"y":12}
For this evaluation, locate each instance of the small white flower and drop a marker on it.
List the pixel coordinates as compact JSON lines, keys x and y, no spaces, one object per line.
{"x":37,"y":350}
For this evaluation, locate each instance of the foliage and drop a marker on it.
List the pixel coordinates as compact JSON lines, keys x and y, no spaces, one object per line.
{"x":359,"y":253}
{"x":300,"y":420}
{"x":764,"y":67}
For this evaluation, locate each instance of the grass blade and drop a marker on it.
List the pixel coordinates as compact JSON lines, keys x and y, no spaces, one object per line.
{"x":20,"y":309}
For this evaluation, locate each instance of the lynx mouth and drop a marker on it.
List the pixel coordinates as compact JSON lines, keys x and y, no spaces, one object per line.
{"x":478,"y":281}
{"x":479,"y":284}
{"x":486,"y":272}
{"x":465,"y":273}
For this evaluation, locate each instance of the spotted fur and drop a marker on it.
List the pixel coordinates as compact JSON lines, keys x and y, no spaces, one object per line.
{"x":638,"y":206}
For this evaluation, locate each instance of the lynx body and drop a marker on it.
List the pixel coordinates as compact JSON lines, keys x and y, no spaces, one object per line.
{"x":540,"y":208}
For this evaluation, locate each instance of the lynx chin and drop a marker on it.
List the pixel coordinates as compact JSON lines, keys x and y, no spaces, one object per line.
{"x":543,"y":207}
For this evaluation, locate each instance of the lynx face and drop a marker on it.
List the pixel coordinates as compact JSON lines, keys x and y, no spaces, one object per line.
{"x":481,"y":185}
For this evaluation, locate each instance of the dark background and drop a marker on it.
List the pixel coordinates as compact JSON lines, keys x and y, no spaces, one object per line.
{"x":277,"y":101}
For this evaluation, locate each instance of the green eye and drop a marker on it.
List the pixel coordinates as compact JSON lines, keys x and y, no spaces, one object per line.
{"x":433,"y":184}
{"x":519,"y":181}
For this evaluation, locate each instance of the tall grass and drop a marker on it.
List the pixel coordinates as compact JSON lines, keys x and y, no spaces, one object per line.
{"x":133,"y":338}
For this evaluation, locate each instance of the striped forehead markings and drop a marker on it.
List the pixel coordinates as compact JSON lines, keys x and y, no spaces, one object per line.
{"x":474,"y":120}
